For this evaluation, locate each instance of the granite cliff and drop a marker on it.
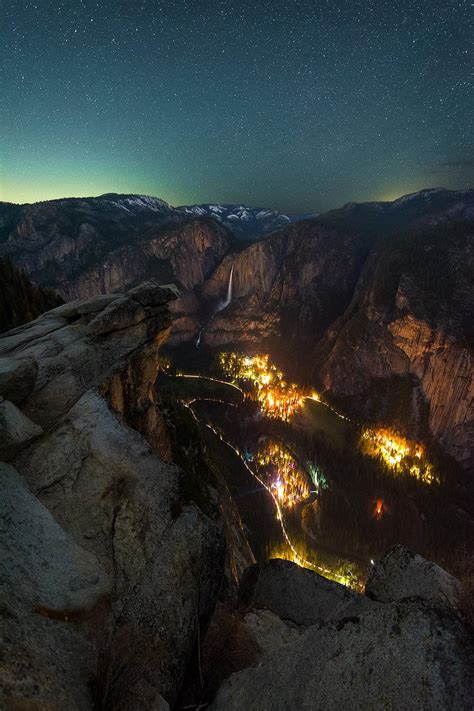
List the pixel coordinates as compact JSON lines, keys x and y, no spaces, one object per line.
{"x":409,"y":330}
{"x":120,"y":568}
{"x":108,"y":567}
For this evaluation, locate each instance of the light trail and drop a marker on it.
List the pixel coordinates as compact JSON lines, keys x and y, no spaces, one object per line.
{"x":212,"y":380}
{"x":299,"y":559}
{"x":209,"y":399}
{"x":314,"y":398}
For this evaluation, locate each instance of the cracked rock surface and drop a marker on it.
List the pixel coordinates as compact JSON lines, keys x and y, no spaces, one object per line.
{"x":105,"y":565}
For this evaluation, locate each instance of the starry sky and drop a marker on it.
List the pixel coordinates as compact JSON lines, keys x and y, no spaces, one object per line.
{"x":290,"y":104}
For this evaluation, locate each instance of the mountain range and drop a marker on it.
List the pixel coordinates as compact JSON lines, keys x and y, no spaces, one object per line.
{"x":246,"y":223}
{"x":373,"y":301}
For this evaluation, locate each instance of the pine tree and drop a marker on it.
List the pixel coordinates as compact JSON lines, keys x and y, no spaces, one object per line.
{"x":20,"y":300}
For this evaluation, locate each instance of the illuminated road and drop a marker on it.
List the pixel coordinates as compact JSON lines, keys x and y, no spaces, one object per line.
{"x":394,"y":451}
{"x":314,"y":398}
{"x":279,"y":513}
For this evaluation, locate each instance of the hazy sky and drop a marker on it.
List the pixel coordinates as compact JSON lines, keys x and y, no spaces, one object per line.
{"x":292,"y":105}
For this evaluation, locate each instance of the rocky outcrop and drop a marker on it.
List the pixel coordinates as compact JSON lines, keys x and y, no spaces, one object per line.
{"x":295,"y":594}
{"x":443,"y":366}
{"x":414,"y":654}
{"x":410,"y":320}
{"x":108,"y":565}
{"x":401,"y":574}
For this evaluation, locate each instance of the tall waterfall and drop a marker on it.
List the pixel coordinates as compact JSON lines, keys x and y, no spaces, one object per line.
{"x":198,"y":339}
{"x":224,"y":304}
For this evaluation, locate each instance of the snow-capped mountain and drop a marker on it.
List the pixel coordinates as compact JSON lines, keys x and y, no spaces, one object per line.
{"x":246,"y":223}
{"x":129,"y":211}
{"x":136,"y":203}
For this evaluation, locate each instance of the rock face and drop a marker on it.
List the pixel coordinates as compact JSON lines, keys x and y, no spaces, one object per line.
{"x":402,"y":574}
{"x":410,"y":319}
{"x":46,"y":568}
{"x":269,"y":631}
{"x":44,"y":574}
{"x":85,"y":246}
{"x":296,"y":594}
{"x":294,"y":283}
{"x":413,"y":654}
{"x":16,"y":430}
{"x":443,"y":365}
{"x":106,"y":564}
{"x":375,"y":660}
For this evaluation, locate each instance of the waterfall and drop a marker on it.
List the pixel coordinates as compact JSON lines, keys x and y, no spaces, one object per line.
{"x":198,"y":339}
{"x":224,"y":304}
{"x":228,"y":298}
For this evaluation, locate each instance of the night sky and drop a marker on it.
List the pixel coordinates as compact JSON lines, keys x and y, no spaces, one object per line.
{"x":292,"y":105}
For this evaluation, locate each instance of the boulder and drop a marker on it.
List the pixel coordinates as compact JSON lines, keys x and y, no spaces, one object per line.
{"x":395,"y":656}
{"x":401,"y":574}
{"x":296,"y":594}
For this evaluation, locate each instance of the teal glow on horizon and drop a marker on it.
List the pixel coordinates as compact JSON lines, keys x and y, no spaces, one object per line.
{"x":292,"y":105}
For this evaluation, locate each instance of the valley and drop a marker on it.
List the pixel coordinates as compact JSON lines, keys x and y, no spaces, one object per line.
{"x":332,"y":354}
{"x":314,"y":486}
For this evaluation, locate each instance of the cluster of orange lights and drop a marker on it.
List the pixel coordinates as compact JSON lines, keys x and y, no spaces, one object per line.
{"x":282,"y":473}
{"x":400,"y":454}
{"x":277,"y":398}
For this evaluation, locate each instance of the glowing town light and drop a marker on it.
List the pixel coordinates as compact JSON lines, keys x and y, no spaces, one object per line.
{"x":399,"y":453}
{"x":291,"y":484}
{"x":277,"y":398}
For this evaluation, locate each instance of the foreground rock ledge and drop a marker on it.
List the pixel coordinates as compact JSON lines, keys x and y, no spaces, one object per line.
{"x":104,"y":565}
{"x":350,"y":651}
